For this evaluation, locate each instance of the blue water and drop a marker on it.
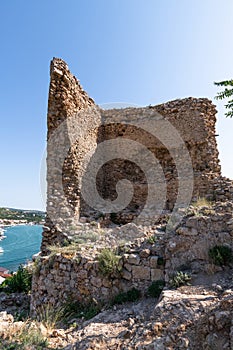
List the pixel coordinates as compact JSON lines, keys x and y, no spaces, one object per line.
{"x":20,"y":244}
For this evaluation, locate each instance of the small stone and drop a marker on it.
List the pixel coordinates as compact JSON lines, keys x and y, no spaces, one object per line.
{"x":186,"y":231}
{"x":134,"y":259}
{"x":83,"y":219}
{"x":153,"y":261}
{"x":222,"y":319}
{"x":96,"y":282}
{"x":126,"y":274}
{"x":144,"y":253}
{"x":157,"y":327}
{"x":131,"y":322}
{"x":128,"y":267}
{"x":192,"y":222}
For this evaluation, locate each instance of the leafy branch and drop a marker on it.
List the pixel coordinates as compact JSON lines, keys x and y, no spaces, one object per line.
{"x":226,"y":93}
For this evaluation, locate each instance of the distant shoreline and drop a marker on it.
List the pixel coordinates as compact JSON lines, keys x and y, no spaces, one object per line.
{"x":19,"y":223}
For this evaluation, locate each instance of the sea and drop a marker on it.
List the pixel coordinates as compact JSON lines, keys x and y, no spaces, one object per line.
{"x":20,"y":244}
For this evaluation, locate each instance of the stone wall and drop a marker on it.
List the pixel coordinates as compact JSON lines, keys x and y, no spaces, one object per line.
{"x":194,"y":119}
{"x":146,"y":254}
{"x":76,"y":126}
{"x":75,"y":275}
{"x":187,"y":248}
{"x":75,"y":233}
{"x":67,"y":103}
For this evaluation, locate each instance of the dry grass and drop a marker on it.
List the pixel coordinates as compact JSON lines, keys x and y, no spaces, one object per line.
{"x":202,"y":202}
{"x":69,"y":250}
{"x":49,"y":316}
{"x":23,"y":336}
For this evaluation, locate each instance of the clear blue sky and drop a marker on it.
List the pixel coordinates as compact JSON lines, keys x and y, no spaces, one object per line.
{"x":133,"y":51}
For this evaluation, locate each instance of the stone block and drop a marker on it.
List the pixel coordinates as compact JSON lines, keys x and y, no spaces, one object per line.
{"x":144,"y":253}
{"x":192,"y":222}
{"x":157,"y":274}
{"x":126,"y":274}
{"x":141,"y":272}
{"x":186,"y":231}
{"x":96,"y":282}
{"x":134,"y":259}
{"x":128,"y":267}
{"x":153,"y":261}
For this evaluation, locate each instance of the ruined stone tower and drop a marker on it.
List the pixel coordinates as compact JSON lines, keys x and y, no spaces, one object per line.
{"x":76,"y":126}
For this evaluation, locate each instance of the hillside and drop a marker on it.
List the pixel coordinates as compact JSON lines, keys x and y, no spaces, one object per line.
{"x":20,"y":214}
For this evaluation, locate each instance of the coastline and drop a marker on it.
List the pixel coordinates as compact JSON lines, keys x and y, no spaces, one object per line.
{"x":5,"y":223}
{"x":8,"y":223}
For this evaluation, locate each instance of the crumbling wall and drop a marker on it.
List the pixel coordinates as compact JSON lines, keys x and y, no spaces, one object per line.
{"x":77,"y":124}
{"x":77,"y":275}
{"x":148,"y":255}
{"x":68,"y":105}
{"x":187,"y":249}
{"x":193,"y":118}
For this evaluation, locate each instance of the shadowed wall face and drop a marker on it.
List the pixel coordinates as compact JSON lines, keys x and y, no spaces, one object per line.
{"x":75,"y":128}
{"x":194,"y":120}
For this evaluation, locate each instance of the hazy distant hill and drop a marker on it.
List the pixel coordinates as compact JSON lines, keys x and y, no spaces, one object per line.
{"x":20,"y":214}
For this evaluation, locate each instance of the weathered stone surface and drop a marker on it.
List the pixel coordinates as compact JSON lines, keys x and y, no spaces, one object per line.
{"x":144,"y":253}
{"x":126,"y":275}
{"x":134,"y":259}
{"x":187,"y":231}
{"x":157,"y":274}
{"x":223,"y":319}
{"x":141,"y":272}
{"x":192,"y":222}
{"x":153,"y":261}
{"x":96,"y":282}
{"x":173,"y":322}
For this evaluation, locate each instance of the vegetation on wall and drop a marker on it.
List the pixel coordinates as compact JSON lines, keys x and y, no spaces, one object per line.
{"x":108,"y":262}
{"x":221,"y":255}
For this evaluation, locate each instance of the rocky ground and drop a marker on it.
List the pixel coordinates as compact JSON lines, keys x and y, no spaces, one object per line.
{"x":190,"y":317}
{"x":198,"y":316}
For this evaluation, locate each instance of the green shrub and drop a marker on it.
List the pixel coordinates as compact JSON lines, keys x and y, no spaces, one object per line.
{"x":49,"y":315}
{"x":132,"y":295}
{"x":156,"y":288}
{"x":221,"y":255}
{"x":34,"y":339}
{"x":180,"y":279}
{"x":74,"y":309}
{"x":152,"y":239}
{"x":108,"y":262}
{"x":20,"y":281}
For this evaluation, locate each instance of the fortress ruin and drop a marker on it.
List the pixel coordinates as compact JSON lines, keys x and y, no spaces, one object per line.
{"x":175,"y":137}
{"x":194,"y":119}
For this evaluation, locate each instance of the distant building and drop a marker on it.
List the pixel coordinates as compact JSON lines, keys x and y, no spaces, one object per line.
{"x":4,"y":273}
